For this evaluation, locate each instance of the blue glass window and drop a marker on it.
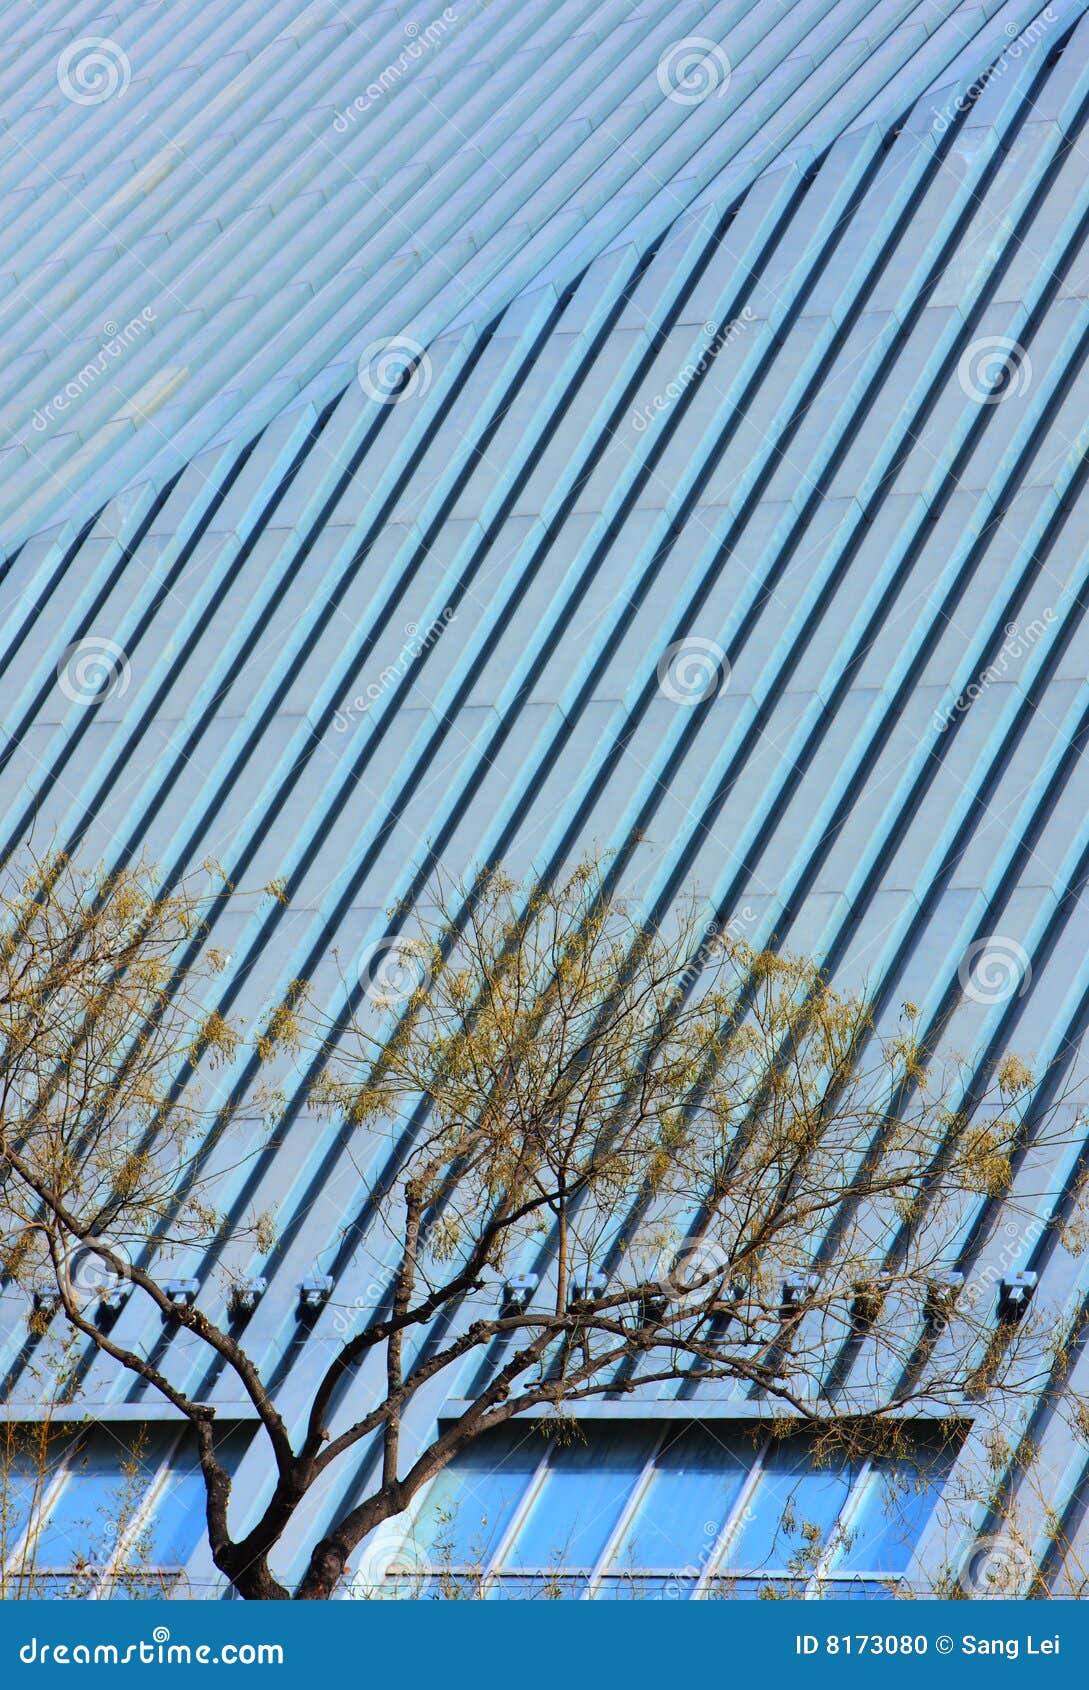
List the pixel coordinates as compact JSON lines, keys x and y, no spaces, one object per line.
{"x":96,"y":1502}
{"x":897,"y":1504}
{"x":469,"y":1507}
{"x":27,"y":1470}
{"x":792,"y":1514}
{"x":178,"y":1522}
{"x":581,"y":1500}
{"x":682,"y":1494}
{"x":99,"y":1508}
{"x":691,"y":1494}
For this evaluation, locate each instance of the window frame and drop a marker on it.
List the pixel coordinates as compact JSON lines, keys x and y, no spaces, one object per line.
{"x":714,"y":1571}
{"x":15,"y":1571}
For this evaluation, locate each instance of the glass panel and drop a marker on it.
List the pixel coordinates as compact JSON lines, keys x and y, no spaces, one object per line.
{"x":695,"y":1484}
{"x":177,"y":1524}
{"x":104,"y":1485}
{"x":28,"y":1467}
{"x":584,"y":1491}
{"x":791,"y":1516}
{"x":469,"y":1506}
{"x":898,"y":1501}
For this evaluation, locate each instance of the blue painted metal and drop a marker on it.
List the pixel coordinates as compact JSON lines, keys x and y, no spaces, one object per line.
{"x":393,"y":395}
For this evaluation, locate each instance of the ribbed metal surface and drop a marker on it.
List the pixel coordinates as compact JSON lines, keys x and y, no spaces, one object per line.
{"x":266,"y":190}
{"x":792,"y":377}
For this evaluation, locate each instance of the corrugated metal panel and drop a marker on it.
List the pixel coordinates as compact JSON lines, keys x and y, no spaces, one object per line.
{"x":791,"y":375}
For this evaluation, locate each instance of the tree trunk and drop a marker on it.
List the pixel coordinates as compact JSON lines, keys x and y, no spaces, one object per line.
{"x":253,"y":1580}
{"x":326,"y":1569}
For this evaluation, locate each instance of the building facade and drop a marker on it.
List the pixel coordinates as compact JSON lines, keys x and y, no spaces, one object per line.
{"x":536,"y":428}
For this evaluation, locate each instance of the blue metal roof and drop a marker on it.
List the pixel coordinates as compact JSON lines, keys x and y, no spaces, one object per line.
{"x":557,"y":436}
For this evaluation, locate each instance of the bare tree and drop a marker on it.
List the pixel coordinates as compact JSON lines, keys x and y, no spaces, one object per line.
{"x":613,"y":1155}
